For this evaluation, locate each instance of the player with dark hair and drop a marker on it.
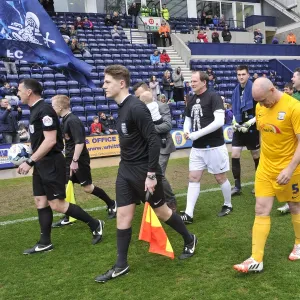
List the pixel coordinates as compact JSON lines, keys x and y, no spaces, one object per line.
{"x":139,"y":170}
{"x":77,"y":156}
{"x":296,"y":84}
{"x":205,"y":116}
{"x":288,"y":88}
{"x":278,"y":173}
{"x":49,"y":173}
{"x":245,"y":133}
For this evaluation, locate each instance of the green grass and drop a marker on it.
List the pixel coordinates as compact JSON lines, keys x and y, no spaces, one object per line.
{"x":69,"y":270}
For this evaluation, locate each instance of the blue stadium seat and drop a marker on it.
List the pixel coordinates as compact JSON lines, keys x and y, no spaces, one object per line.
{"x":78,"y":110}
{"x":72,"y":84}
{"x":113,"y":107}
{"x":83,"y":120}
{"x":74,"y":92}
{"x":103,"y":108}
{"x":49,"y":93}
{"x":49,"y":85}
{"x":76,"y":101}
{"x":88,"y":100}
{"x":98,"y":91}
{"x":100,"y":100}
{"x":61,"y":84}
{"x":62,"y":92}
{"x":25,"y":114}
{"x":90,"y":109}
{"x":86,"y":91}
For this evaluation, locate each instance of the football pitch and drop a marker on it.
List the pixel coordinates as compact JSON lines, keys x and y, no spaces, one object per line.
{"x":68,"y":271}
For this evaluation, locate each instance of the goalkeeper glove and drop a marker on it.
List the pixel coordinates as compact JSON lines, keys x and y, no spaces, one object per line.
{"x":245,"y":127}
{"x":235,"y":126}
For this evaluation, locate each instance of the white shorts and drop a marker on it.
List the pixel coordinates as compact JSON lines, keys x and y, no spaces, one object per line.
{"x":215,"y":160}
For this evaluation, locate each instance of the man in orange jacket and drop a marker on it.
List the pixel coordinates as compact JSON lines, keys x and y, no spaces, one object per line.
{"x":164,"y":32}
{"x":291,"y":38}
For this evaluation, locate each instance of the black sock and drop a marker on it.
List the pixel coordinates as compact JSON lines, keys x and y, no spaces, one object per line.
{"x":98,"y":192}
{"x":177,"y":224}
{"x":123,"y":241}
{"x":45,"y":219}
{"x":256,"y":162}
{"x":236,"y":171}
{"x":78,"y":213}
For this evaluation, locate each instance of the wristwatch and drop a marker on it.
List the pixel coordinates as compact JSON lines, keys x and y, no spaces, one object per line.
{"x":152,"y":176}
{"x":30,"y":162}
{"x":75,"y":160}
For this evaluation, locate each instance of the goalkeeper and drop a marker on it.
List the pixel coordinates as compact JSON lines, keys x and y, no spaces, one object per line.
{"x":244,"y":126}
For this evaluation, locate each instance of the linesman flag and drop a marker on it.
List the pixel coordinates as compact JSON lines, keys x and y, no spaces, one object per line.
{"x":152,"y":232}
{"x":70,"y":197}
{"x":28,"y":33}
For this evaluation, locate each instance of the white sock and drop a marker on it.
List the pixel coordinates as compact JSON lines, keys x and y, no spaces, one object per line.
{"x":226,"y":190}
{"x":192,"y":197}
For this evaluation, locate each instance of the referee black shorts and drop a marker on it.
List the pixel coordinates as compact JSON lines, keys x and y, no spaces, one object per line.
{"x":83,"y":175}
{"x":249,"y":139}
{"x":49,"y":175}
{"x":130,"y":186}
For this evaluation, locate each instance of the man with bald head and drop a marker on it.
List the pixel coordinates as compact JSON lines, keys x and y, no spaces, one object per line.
{"x":278,"y":173}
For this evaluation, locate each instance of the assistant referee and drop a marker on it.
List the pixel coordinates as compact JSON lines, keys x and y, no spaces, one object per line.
{"x":139,"y":170}
{"x":49,"y":168}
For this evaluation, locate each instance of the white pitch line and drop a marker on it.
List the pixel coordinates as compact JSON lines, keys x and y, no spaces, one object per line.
{"x":104,"y":207}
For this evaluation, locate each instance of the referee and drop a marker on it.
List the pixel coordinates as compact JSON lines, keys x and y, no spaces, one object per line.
{"x":139,"y":170}
{"x":49,"y":171}
{"x":77,"y":156}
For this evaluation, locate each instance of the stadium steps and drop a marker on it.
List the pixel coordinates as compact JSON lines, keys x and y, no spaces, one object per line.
{"x":137,"y":37}
{"x":177,"y":61}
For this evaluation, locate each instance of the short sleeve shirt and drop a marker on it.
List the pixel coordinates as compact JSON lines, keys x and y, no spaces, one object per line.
{"x":201,"y":108}
{"x":44,"y":118}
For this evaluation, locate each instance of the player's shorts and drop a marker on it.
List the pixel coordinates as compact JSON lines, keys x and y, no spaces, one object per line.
{"x":83,"y":175}
{"x":249,"y":139}
{"x":49,"y":175}
{"x":266,"y":186}
{"x":215,"y":160}
{"x":130,"y":186}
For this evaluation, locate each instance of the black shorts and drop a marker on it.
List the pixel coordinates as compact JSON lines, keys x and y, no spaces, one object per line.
{"x":130,"y":186}
{"x":83,"y":175}
{"x":249,"y":139}
{"x":49,"y":175}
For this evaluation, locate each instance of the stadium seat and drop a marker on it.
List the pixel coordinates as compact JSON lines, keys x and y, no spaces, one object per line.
{"x":103,"y":108}
{"x":78,"y":110}
{"x":88,"y":100}
{"x":75,"y":101}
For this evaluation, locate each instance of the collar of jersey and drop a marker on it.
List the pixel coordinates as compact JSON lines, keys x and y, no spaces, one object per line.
{"x":122,"y":102}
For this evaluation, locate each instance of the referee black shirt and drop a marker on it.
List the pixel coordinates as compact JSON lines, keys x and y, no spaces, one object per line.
{"x":74,"y":133}
{"x":44,"y":118}
{"x":139,"y":141}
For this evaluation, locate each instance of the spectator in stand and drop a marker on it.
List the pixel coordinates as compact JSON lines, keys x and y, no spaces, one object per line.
{"x":23,"y":133}
{"x":215,"y":36}
{"x":108,"y":21}
{"x":164,"y":32}
{"x":73,"y":31}
{"x":203,"y":19}
{"x":222,"y":21}
{"x":9,"y":117}
{"x":291,"y":39}
{"x":226,"y":35}
{"x":87,"y":24}
{"x":75,"y":47}
{"x":254,"y":77}
{"x":210,"y":71}
{"x":154,"y":87}
{"x":108,"y":123}
{"x":154,"y":58}
{"x":9,"y":92}
{"x":165,"y":12}
{"x":85,"y":51}
{"x":10,"y":65}
{"x":178,"y":85}
{"x":275,"y":40}
{"x":115,"y":33}
{"x":258,"y":36}
{"x":288,"y":88}
{"x":167,"y":84}
{"x":96,"y":127}
{"x":78,"y":23}
{"x":228,"y":112}
{"x":64,"y":30}
{"x":116,"y":18}
{"x":165,"y":58}
{"x":188,"y":89}
{"x":163,"y":99}
{"x":202,"y":37}
{"x":215,"y":21}
{"x":133,"y":11}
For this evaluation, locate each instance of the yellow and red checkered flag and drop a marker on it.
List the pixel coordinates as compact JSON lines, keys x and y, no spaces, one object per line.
{"x":152,"y":232}
{"x":70,"y":197}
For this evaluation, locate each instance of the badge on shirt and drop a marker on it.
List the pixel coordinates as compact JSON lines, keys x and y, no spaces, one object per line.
{"x":124,"y":128}
{"x":281,"y":115}
{"x":31,"y":129}
{"x":47,"y":121}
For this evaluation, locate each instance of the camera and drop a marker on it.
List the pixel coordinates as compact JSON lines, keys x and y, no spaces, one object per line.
{"x":14,"y":107}
{"x":163,"y":142}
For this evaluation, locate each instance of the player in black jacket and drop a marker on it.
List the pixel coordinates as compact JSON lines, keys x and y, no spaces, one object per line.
{"x":77,"y":156}
{"x":49,"y":171}
{"x":139,"y":170}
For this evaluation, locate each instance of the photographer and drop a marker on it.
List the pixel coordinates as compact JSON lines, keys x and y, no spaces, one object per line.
{"x":9,"y":92}
{"x":9,"y":117}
